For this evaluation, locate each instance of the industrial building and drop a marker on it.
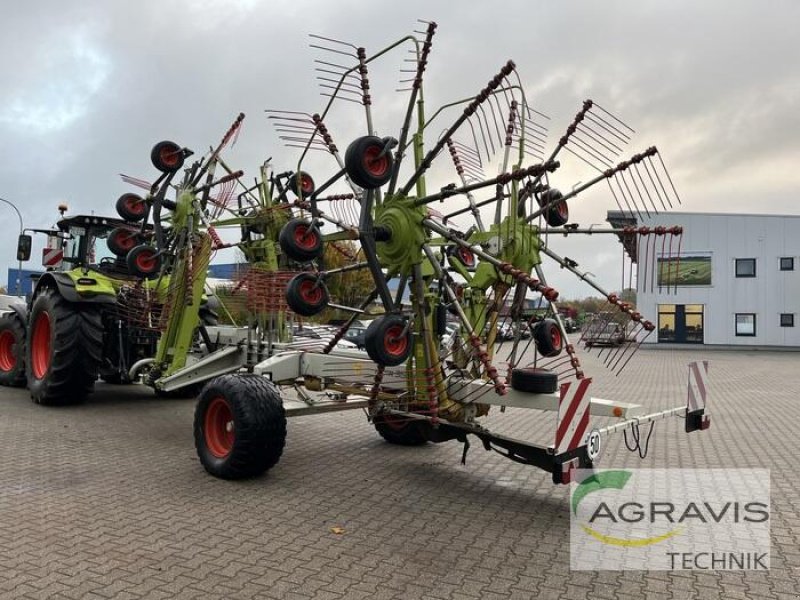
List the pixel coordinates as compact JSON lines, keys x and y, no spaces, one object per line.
{"x":735,"y":280}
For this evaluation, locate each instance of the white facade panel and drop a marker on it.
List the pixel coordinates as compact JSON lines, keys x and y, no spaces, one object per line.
{"x":727,"y":237}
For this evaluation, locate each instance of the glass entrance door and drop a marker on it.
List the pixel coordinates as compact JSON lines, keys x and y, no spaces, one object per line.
{"x":680,"y":323}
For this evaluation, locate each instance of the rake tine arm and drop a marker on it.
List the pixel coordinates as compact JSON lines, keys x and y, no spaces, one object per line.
{"x":637,"y":158}
{"x":416,"y":87}
{"x":468,"y":111}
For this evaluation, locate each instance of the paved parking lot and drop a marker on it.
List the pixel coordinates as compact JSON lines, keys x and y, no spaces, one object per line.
{"x":108,"y":500}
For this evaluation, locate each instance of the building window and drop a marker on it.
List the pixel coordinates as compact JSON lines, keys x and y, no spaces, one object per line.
{"x":787,"y":319}
{"x":787,"y":263}
{"x":745,"y":324}
{"x":745,"y":267}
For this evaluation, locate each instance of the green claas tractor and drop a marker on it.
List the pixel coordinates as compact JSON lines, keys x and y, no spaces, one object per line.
{"x":74,"y":327}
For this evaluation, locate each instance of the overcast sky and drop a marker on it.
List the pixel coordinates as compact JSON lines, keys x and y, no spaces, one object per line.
{"x":89,"y":86}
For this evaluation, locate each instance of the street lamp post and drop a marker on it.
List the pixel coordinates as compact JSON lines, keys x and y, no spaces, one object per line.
{"x":21,"y":230}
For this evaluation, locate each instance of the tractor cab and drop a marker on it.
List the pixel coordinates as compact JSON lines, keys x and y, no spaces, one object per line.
{"x":92,"y":242}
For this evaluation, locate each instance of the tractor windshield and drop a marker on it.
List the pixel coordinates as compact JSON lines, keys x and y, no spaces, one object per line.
{"x":98,"y":247}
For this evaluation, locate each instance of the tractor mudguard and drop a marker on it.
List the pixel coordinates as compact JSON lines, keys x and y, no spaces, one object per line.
{"x":67,"y":288}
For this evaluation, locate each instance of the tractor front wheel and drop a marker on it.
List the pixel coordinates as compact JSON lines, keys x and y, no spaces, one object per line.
{"x":239,"y":426}
{"x":64,"y":349}
{"x":12,"y":350}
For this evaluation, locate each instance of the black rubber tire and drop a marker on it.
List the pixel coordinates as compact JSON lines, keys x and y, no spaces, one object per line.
{"x":259,"y":426}
{"x":382,"y":343}
{"x":301,"y":241}
{"x":548,"y":338}
{"x":12,"y":350}
{"x":399,"y":431}
{"x":62,"y":367}
{"x":131,"y":207}
{"x":122,"y":240}
{"x":306,"y":185}
{"x":533,"y":380}
{"x":306,"y":295}
{"x":167,"y":157}
{"x":362,"y":166}
{"x":557,"y":215}
{"x":143,"y":262}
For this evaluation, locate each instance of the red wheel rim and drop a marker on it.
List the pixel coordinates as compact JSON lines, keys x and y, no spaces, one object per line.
{"x":310,"y":292}
{"x":40,"y":345}
{"x":134,"y":205}
{"x":563,"y":210}
{"x":146,"y":261}
{"x":7,"y":358}
{"x":394,"y":342}
{"x":125,"y":240}
{"x":375,"y":164}
{"x":219,"y":428}
{"x":306,"y":184}
{"x":305,"y":237}
{"x":555,"y":337}
{"x":466,"y":256}
{"x":169,"y":155}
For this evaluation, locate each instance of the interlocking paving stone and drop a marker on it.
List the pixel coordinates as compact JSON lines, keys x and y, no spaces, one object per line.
{"x":108,"y":500}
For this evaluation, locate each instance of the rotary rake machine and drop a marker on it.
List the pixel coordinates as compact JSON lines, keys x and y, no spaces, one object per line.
{"x":187,"y":214}
{"x":427,"y":270}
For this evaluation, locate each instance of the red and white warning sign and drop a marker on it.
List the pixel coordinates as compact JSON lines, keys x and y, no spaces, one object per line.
{"x":52,"y":257}
{"x":573,"y":415}
{"x":698,"y":385}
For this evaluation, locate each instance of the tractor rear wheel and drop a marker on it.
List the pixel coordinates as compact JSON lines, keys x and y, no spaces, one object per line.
{"x":12,"y":350}
{"x":399,"y":430}
{"x":239,"y":426}
{"x":64,"y":349}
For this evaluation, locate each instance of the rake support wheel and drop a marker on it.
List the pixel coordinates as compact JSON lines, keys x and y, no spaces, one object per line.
{"x":558,"y":215}
{"x":307,"y":295}
{"x":239,"y":426}
{"x":548,"y":338}
{"x":388,"y":341}
{"x":400,"y":431}
{"x":301,"y":184}
{"x":144,"y":261}
{"x":122,"y":240}
{"x":64,"y":349}
{"x":131,"y":207}
{"x":534,"y":381}
{"x":167,"y":157}
{"x":368,"y":162}
{"x":301,"y":241}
